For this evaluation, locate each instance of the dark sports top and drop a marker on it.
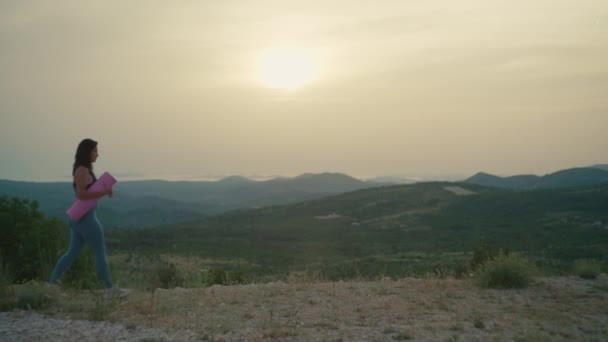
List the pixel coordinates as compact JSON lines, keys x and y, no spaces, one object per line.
{"x":88,"y":185}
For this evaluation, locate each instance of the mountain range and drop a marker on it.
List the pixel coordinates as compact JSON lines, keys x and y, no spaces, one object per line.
{"x":157,"y":202}
{"x":148,"y":203}
{"x":597,"y":174}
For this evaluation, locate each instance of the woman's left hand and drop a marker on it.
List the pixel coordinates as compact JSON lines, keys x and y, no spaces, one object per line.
{"x":109,"y":192}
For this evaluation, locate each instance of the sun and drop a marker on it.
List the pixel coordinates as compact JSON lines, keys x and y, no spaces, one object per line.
{"x":286,"y":68}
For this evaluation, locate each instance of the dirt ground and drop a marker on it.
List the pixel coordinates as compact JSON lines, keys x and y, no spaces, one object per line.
{"x":551,"y":309}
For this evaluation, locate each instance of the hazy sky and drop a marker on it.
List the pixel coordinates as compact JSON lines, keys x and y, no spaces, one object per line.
{"x":420,"y":88}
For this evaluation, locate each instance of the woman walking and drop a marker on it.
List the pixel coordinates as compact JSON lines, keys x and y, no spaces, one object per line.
{"x":88,"y":229}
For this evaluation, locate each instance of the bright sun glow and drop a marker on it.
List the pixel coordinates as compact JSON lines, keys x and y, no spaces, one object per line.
{"x":286,"y":68}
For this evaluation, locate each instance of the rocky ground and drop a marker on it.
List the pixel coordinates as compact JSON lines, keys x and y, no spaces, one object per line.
{"x":551,"y":309}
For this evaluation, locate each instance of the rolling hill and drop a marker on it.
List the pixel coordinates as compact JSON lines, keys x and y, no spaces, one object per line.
{"x":514,"y":182}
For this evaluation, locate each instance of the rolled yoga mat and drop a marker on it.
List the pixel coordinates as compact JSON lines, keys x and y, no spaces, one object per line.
{"x":81,"y":207}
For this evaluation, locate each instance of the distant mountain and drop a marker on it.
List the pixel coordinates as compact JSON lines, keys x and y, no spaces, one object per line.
{"x":560,"y":179}
{"x":573,"y":177}
{"x":235,"y":180}
{"x":154,"y":202}
{"x":286,"y":190}
{"x":522,"y":181}
{"x":320,"y":183}
{"x":486,"y":179}
{"x":513,"y":182}
{"x":600,"y":166}
{"x":392,"y":180}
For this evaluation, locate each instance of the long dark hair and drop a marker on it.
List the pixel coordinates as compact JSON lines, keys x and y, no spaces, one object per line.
{"x":83,"y":155}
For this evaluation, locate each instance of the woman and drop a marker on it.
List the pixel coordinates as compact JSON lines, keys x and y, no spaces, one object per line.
{"x":88,"y":229}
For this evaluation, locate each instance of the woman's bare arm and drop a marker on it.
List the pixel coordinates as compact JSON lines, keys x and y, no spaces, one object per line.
{"x":82,"y":178}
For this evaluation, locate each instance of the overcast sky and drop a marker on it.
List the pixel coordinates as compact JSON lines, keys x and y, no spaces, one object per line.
{"x":170,"y":89}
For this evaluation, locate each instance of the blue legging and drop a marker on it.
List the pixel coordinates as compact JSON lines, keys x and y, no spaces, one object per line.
{"x":87,"y":230}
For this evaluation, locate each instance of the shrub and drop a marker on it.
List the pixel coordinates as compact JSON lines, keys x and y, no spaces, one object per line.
{"x":6,"y":297}
{"x":82,"y":274}
{"x":587,"y":268}
{"x":29,"y":296}
{"x":34,"y":296}
{"x":221,"y":277}
{"x":484,"y":252}
{"x":216,"y":276}
{"x":30,"y":242}
{"x":168,"y":276}
{"x":460,"y":271}
{"x":505,"y":271}
{"x":236,"y":278}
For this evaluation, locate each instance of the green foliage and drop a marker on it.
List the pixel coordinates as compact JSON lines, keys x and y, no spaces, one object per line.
{"x":505,"y":271}
{"x":5,"y":276}
{"x":82,"y":274}
{"x":217,"y":276}
{"x":587,"y":268}
{"x":460,"y":271}
{"x":30,"y":242}
{"x":236,"y":278}
{"x":168,"y":276}
{"x":6,"y":297}
{"x":221,"y":277}
{"x":484,"y":252}
{"x":29,"y":296}
{"x":33,"y":296}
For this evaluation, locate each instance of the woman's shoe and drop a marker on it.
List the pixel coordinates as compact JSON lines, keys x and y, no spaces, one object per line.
{"x":116,"y":292}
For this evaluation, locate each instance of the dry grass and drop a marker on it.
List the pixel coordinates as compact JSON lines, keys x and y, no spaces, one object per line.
{"x":185,"y":263}
{"x":566,"y":308}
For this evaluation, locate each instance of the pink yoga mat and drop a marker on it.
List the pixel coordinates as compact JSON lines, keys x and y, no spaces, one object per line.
{"x":81,"y":207}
